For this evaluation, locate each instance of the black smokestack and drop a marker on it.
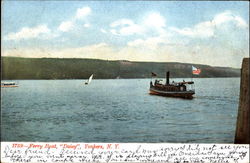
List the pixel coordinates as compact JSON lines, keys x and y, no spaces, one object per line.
{"x":167,"y":78}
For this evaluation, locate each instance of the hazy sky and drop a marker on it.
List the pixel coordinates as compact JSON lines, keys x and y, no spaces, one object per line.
{"x":213,"y":33}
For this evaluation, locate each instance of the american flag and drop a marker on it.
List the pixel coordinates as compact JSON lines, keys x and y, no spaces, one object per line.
{"x":196,"y":71}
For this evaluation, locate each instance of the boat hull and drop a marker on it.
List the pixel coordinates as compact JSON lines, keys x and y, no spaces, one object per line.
{"x":181,"y":94}
{"x":8,"y":86}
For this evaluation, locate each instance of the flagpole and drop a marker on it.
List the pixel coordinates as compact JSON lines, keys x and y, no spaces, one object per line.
{"x":192,"y":74}
{"x":192,"y":87}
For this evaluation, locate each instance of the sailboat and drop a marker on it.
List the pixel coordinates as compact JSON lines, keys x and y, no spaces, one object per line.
{"x":90,"y":79}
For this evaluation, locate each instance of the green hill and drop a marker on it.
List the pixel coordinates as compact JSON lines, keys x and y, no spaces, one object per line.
{"x":55,"y":68}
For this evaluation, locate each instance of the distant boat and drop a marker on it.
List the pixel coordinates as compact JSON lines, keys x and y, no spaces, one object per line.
{"x":90,"y":79}
{"x":9,"y":84}
{"x":175,"y":89}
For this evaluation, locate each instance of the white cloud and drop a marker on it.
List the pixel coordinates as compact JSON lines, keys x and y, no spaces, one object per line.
{"x":98,"y":51}
{"x":204,"y":29}
{"x":113,"y":31}
{"x":152,"y":23}
{"x":66,"y":26}
{"x":155,"y":20}
{"x":130,"y":30}
{"x":228,"y":16}
{"x":103,"y":30}
{"x":101,"y":50}
{"x":27,"y":33}
{"x":150,"y":43}
{"x":121,"y":22}
{"x":125,"y":27}
{"x":50,"y":35}
{"x":241,"y":22}
{"x":86,"y":25}
{"x":80,"y":14}
{"x":83,"y":12}
{"x":207,"y":28}
{"x":33,"y":52}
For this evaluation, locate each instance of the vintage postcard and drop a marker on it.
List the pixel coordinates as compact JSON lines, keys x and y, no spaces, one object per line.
{"x":156,"y":77}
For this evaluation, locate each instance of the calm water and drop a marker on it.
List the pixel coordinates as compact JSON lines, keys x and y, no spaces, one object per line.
{"x":118,"y":111}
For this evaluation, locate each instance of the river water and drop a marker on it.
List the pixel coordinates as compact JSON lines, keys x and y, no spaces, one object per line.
{"x":118,"y":110}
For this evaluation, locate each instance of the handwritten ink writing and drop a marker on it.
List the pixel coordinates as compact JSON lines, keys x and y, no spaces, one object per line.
{"x":100,"y":153}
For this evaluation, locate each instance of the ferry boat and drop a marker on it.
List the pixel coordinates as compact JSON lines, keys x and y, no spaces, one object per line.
{"x":9,"y":84}
{"x":175,"y":89}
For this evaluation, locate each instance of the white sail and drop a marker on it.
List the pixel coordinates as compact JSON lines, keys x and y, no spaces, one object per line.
{"x":90,"y":79}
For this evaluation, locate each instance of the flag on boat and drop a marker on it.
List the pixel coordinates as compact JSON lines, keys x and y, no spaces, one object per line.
{"x":196,"y":71}
{"x":153,"y":74}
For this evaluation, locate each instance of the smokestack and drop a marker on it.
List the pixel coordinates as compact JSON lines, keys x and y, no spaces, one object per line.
{"x":167,"y":78}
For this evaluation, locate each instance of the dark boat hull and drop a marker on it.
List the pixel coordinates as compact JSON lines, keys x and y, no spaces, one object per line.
{"x":181,"y":94}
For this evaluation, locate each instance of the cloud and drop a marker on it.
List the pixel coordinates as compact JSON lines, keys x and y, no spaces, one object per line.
{"x":125,"y":27}
{"x":66,"y":26}
{"x":204,"y":29}
{"x":151,"y":43}
{"x":28,"y":33}
{"x":98,"y":51}
{"x":228,"y":16}
{"x":86,"y":25}
{"x":113,"y":31}
{"x":152,"y":23}
{"x":122,"y":22}
{"x":207,"y":28}
{"x":43,"y":32}
{"x":82,"y":12}
{"x":155,"y":20}
{"x":27,"y":52}
{"x":103,"y":30}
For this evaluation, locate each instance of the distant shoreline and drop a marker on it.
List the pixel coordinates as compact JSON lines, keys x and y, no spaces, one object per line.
{"x":15,"y":68}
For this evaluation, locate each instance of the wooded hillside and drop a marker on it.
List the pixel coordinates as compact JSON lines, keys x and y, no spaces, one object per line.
{"x":55,"y":68}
